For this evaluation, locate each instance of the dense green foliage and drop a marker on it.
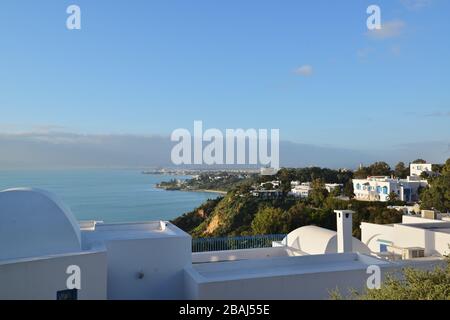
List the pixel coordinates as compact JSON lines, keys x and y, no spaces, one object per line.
{"x":236,"y":215}
{"x":376,"y":169}
{"x":401,"y":170}
{"x":437,"y":195}
{"x":270,"y":220}
{"x":310,"y":174}
{"x":412,"y":284}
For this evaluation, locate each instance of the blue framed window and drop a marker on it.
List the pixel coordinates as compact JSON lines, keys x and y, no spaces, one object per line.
{"x":383,"y":247}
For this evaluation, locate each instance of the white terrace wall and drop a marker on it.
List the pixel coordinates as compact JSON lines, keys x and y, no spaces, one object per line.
{"x":41,"y":279}
{"x":371,"y":233}
{"x":433,"y":241}
{"x":144,"y":269}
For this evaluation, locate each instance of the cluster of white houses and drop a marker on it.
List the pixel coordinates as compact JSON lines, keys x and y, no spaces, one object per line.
{"x":375,"y":188}
{"x":380,"y":188}
{"x":303,"y":189}
{"x":42,"y":247}
{"x":298,"y":189}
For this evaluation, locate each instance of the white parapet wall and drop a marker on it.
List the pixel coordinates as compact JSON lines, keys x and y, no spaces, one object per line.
{"x":145,"y":260}
{"x":246,"y":254}
{"x":42,"y":278}
{"x":289,"y":278}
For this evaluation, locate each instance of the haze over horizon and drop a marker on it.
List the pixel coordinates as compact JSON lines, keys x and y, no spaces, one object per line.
{"x":62,"y":150}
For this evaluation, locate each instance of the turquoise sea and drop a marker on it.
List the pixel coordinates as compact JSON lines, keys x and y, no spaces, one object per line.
{"x":110,"y":195}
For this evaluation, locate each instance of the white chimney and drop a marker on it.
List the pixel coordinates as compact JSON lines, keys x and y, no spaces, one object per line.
{"x":344,"y":231}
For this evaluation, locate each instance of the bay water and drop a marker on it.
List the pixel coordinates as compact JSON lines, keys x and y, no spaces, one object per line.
{"x":109,"y":195}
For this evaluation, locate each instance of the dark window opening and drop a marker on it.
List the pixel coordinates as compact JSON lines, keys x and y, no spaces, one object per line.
{"x":67,"y":295}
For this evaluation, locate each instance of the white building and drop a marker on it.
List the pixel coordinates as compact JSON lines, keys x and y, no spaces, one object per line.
{"x":333,"y":186}
{"x":379,"y":188}
{"x":303,"y":189}
{"x":300,"y":190}
{"x":307,"y":264}
{"x":416,"y":169}
{"x":415,"y":236}
{"x":275,"y":184}
{"x":40,"y":241}
{"x":407,"y":210}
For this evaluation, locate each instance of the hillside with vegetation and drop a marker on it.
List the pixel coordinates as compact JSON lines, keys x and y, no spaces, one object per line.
{"x":239,"y":213}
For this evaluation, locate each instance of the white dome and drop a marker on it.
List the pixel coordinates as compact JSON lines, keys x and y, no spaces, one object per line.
{"x":35,"y":223}
{"x":316,"y":240}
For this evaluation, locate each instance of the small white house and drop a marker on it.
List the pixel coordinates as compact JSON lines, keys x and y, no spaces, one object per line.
{"x":303,"y":189}
{"x":300,"y":190}
{"x":416,"y":169}
{"x":379,"y":188}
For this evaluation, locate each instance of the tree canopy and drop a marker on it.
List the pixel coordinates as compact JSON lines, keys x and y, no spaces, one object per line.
{"x":437,"y":195}
{"x":269,"y":221}
{"x":379,"y":168}
{"x":416,"y":285}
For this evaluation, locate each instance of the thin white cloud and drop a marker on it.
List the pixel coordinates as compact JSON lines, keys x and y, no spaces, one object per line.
{"x":416,"y":4}
{"x":439,"y":114}
{"x":305,"y":70}
{"x":14,"y":128}
{"x":390,"y":29}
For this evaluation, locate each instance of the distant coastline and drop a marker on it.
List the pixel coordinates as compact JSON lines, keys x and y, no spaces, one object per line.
{"x":208,"y":191}
{"x":221,"y":192}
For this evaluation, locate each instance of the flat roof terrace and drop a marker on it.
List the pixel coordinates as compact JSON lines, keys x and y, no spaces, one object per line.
{"x":245,"y":254}
{"x":282,"y":266}
{"x":129,"y":231}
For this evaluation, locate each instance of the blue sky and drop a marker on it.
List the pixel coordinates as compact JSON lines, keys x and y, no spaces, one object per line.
{"x":309,"y":68}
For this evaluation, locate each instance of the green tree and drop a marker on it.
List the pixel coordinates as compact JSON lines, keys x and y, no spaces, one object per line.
{"x":298,"y":216}
{"x":380,"y":169}
{"x":362,"y":172}
{"x":318,"y":193}
{"x":437,"y":168}
{"x":437,"y":195}
{"x":425,"y":175}
{"x":419,"y":161}
{"x":285,"y":176}
{"x":268,"y":186}
{"x":415,"y":285}
{"x":269,"y":220}
{"x":401,"y":171}
{"x":336,"y":192}
{"x":446,"y":167}
{"x":392,"y":197}
{"x":348,"y":189}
